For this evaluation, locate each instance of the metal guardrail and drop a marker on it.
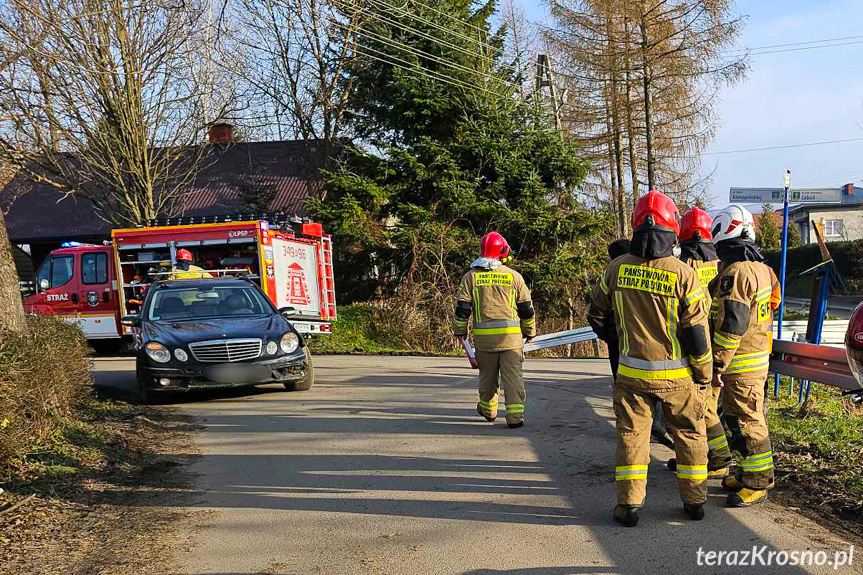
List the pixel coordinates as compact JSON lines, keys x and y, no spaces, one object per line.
{"x":832,"y":332}
{"x":560,"y":338}
{"x":802,"y":361}
{"x":818,"y":363}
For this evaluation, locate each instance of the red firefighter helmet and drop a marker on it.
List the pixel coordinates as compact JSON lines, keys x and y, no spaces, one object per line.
{"x":696,"y":220}
{"x":656,"y":210}
{"x":493,"y":245}
{"x":184,"y":255}
{"x":854,"y":344}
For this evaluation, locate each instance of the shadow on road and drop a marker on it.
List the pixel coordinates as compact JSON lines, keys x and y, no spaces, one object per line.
{"x":570,"y":430}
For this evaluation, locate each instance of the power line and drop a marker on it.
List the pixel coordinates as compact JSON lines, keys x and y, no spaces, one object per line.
{"x":825,"y":40}
{"x":808,"y":144}
{"x":806,"y":48}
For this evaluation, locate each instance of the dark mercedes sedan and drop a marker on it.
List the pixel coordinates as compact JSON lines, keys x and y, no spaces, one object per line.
{"x":212,"y":333}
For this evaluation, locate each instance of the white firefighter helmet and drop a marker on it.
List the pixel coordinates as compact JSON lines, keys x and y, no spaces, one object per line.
{"x":735,"y":221}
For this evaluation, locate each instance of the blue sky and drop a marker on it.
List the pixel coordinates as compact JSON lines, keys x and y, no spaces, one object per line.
{"x":789,"y":98}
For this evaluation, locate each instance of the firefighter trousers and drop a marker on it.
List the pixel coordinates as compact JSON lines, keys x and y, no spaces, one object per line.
{"x":496,"y":368}
{"x":718,"y":453}
{"x":683,"y":408}
{"x":745,"y":400}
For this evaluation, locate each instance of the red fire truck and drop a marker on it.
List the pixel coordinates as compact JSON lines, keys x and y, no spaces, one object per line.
{"x":96,"y":285}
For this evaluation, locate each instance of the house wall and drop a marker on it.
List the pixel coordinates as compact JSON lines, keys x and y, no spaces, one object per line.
{"x":852,"y":218}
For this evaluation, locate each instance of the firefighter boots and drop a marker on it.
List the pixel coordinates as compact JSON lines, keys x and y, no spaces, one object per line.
{"x":746,"y":497}
{"x":626,"y":515}
{"x":694,"y":510}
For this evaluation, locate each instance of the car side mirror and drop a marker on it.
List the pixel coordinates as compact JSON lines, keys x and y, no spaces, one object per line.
{"x":133,"y":320}
{"x":288,"y":311}
{"x":44,"y":284}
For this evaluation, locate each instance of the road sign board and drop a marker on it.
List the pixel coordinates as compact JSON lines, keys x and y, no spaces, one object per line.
{"x":775,"y":196}
{"x":816,"y":196}
{"x":757,"y":195}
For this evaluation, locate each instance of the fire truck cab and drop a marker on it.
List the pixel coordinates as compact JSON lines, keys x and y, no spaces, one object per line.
{"x":291,"y":259}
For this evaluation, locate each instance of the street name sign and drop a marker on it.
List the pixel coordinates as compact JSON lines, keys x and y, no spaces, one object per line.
{"x":757,"y":195}
{"x":776,"y":195}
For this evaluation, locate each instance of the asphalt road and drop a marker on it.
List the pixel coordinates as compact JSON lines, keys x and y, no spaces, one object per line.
{"x":385,"y":468}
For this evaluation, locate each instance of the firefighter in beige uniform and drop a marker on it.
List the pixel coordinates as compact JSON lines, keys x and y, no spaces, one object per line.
{"x":499,"y":301}
{"x":186,"y":269}
{"x":742,"y":342}
{"x":698,"y":251}
{"x":665,"y":357}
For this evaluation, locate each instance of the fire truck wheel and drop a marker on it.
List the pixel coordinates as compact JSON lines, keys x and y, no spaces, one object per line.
{"x":306,"y":383}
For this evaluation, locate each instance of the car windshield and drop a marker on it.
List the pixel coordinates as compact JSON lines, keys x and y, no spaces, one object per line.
{"x":206,"y":302}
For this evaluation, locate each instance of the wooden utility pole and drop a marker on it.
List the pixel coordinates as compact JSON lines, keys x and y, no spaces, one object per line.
{"x":545,"y":79}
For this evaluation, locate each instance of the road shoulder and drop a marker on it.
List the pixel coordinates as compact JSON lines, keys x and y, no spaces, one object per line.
{"x":106,"y":500}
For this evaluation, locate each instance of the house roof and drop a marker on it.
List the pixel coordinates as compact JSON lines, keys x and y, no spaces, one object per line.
{"x":287,"y":171}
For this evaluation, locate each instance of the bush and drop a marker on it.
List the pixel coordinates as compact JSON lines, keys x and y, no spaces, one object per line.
{"x":846,"y":255}
{"x":44,"y":378}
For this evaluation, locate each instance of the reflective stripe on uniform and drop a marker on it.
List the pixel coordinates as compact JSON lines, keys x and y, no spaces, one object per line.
{"x":497,"y":327}
{"x":653,"y":365}
{"x":759,"y":462}
{"x":512,"y":305}
{"x":515,"y":408}
{"x":691,"y":471}
{"x":694,"y":296}
{"x":702,"y":358}
{"x":747,"y":362}
{"x":618,"y":301}
{"x":659,"y":374}
{"x":528,"y":322}
{"x":602,"y":285}
{"x":496,"y":330}
{"x":726,"y":342}
{"x":672,"y":328}
{"x":477,"y":314}
{"x":763,"y":293}
{"x":718,"y":442}
{"x":497,"y":323}
{"x":489,"y":405}
{"x":630,"y":472}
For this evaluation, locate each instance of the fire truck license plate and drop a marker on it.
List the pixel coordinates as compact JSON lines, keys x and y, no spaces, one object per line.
{"x":302,"y":327}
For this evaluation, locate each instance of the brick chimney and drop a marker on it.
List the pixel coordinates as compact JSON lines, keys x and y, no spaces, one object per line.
{"x":221,"y":133}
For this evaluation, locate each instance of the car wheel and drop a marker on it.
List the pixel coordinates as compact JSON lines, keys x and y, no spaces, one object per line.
{"x":306,"y":383}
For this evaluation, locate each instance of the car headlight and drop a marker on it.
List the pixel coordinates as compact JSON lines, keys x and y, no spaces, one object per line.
{"x":181,"y":355}
{"x":290,"y":342}
{"x":158,"y":352}
{"x":272,"y":348}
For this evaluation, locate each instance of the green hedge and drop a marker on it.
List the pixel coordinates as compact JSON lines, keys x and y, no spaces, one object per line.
{"x":848,"y":257}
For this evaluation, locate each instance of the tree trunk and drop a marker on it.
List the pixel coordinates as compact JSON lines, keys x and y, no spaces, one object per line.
{"x":630,"y":124}
{"x":648,"y":118}
{"x":11,"y":311}
{"x":615,"y":195}
{"x":615,"y":126}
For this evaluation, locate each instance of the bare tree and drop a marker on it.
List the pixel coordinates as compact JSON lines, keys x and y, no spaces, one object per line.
{"x":646,"y":73}
{"x":295,"y":55}
{"x":103,"y":99}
